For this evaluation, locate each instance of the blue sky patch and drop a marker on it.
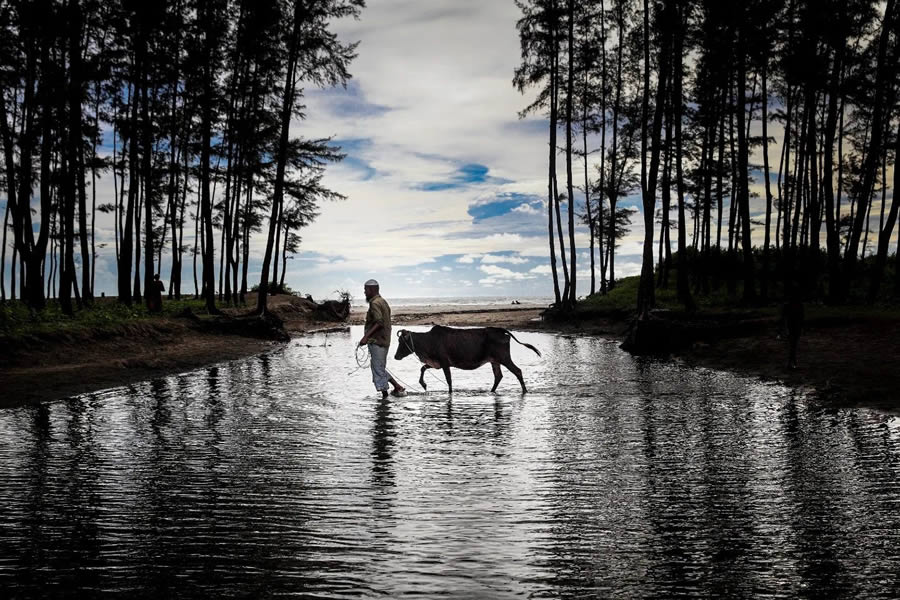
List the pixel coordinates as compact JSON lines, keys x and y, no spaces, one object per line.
{"x":480,"y":212}
{"x":468,"y":174}
{"x":353,"y":148}
{"x":364,"y":169}
{"x":349,"y":102}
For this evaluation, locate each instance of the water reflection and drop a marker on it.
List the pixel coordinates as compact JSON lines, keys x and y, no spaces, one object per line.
{"x":383,"y":445}
{"x":614,"y":477}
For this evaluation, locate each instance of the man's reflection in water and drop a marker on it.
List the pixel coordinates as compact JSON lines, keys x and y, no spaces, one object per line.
{"x":383,"y":432}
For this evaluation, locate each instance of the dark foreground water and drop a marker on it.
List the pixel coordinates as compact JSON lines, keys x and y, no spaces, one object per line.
{"x":614,"y":477}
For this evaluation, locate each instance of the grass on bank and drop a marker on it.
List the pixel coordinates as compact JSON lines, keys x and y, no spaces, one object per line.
{"x":104,"y":315}
{"x":622,"y":300}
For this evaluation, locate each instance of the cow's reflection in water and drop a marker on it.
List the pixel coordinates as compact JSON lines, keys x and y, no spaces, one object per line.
{"x":445,"y":347}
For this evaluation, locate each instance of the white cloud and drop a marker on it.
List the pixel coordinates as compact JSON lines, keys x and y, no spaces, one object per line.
{"x":468,"y":258}
{"x":499,"y":273}
{"x":527,"y":209}
{"x":494,"y":258}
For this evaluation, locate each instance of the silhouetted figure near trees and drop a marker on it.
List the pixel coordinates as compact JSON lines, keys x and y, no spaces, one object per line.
{"x":154,"y":295}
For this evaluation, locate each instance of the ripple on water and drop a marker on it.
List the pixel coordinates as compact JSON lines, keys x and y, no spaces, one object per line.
{"x":614,"y":476}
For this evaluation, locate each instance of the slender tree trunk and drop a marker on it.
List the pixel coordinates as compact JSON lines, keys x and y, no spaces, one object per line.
{"x":137,"y":235}
{"x":587,"y":187}
{"x":178,"y":253}
{"x":551,"y":199}
{"x":554,"y":109}
{"x":209,"y":261}
{"x":709,"y":141}
{"x":814,"y":223}
{"x":645,"y":290}
{"x":67,"y":202}
{"x":884,"y":237}
{"x":684,"y":290}
{"x":870,"y":163}
{"x":277,"y":241}
{"x":602,"y":151}
{"x":720,"y":172}
{"x":31,"y":253}
{"x":614,"y":180}
{"x":284,"y":254}
{"x":865,"y":244}
{"x":800,"y":186}
{"x":777,"y":205}
{"x":173,"y":183}
{"x":786,"y":194}
{"x":117,"y":199}
{"x":897,"y":251}
{"x":246,"y":238}
{"x":76,"y":160}
{"x":646,"y":295}
{"x":840,"y":174}
{"x":54,"y":235}
{"x":570,"y":92}
{"x":197,"y":238}
{"x":662,"y":263}
{"x":734,"y":196}
{"x":147,"y":179}
{"x":126,"y":247}
{"x":764,"y":282}
{"x":551,"y":170}
{"x":12,"y":273}
{"x":281,"y":157}
{"x":832,"y":208}
{"x":94,"y":194}
{"x":3,"y":253}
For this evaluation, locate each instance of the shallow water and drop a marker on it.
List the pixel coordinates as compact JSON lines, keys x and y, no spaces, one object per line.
{"x":613,"y":477}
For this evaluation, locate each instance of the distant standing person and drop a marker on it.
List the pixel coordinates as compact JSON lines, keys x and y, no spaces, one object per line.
{"x":154,"y":303}
{"x":378,"y":338}
{"x":793,"y":324}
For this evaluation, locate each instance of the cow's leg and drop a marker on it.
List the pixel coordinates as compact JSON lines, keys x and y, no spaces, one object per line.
{"x":446,"y":369}
{"x":422,"y":377}
{"x":509,"y":364}
{"x":497,"y":376}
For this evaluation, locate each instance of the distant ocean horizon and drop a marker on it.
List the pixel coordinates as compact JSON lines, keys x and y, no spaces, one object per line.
{"x":461,"y":301}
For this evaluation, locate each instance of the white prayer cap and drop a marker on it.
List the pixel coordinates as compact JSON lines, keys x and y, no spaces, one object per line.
{"x":371,"y":283}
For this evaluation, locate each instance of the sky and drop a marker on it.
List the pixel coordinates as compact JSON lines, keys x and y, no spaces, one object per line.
{"x":445,"y":185}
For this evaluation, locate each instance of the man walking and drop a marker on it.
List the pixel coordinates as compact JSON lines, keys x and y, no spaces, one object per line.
{"x":378,"y":337}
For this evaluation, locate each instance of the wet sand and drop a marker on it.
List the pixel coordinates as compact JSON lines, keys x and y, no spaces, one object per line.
{"x":851,"y":363}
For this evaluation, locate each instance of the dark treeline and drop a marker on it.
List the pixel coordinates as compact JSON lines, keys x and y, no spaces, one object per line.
{"x":677,"y":97}
{"x":186,"y":106}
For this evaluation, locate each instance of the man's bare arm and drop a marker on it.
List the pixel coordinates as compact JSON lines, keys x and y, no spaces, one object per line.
{"x":372,"y":330}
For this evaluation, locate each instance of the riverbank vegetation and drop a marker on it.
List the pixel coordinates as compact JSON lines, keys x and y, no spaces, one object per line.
{"x":724,"y":292}
{"x":689,"y":104}
{"x":18,"y":322}
{"x":186,"y":108}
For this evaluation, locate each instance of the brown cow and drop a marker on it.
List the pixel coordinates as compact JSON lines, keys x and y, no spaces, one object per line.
{"x":445,"y":347}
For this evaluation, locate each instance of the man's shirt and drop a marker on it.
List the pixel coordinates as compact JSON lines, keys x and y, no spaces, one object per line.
{"x":379,"y":312}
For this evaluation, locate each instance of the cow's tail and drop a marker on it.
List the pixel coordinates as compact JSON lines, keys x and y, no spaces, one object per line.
{"x":509,"y":333}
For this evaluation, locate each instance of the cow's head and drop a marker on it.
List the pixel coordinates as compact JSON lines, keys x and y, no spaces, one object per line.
{"x":405,"y":344}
